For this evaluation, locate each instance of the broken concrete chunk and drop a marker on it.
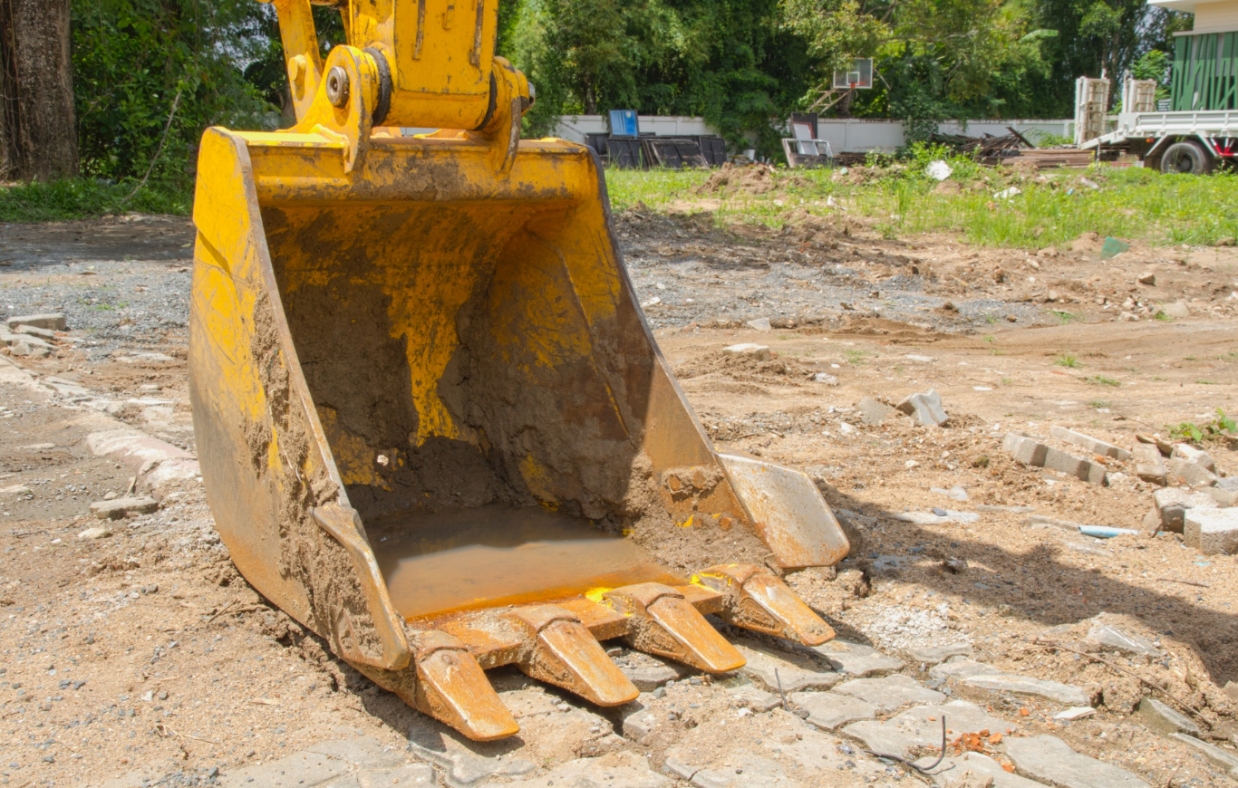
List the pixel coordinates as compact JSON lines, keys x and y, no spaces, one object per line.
{"x":749,"y":349}
{"x":1224,"y":498}
{"x":41,"y":333}
{"x":119,"y":507}
{"x":1190,"y":473}
{"x":961,"y":668}
{"x":1177,"y":310}
{"x":1050,"y":759}
{"x":824,"y":377}
{"x":1078,"y":467}
{"x":751,"y":697}
{"x":1075,"y":713}
{"x":1173,"y":503}
{"x":925,"y":408}
{"x":873,"y":411}
{"x":32,"y":347}
{"x":1107,"y":634}
{"x":1094,"y":445}
{"x":760,"y":324}
{"x":1185,"y":451}
{"x":1024,"y":449}
{"x":1029,"y":685}
{"x":1228,"y":483}
{"x":98,"y":532}
{"x":646,"y":672}
{"x":973,"y":770}
{"x":1149,"y":464}
{"x":52,"y":321}
{"x":1159,"y":717}
{"x":1212,"y":531}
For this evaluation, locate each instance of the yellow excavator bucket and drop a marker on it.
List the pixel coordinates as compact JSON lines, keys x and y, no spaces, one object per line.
{"x":433,"y":424}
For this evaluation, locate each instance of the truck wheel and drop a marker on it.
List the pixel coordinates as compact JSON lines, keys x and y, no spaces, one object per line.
{"x":1186,"y":157}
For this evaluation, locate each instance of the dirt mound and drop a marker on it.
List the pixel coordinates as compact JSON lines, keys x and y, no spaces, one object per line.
{"x":758,"y":179}
{"x":745,"y":367}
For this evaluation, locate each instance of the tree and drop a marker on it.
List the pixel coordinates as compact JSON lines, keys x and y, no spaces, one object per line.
{"x":37,"y":130}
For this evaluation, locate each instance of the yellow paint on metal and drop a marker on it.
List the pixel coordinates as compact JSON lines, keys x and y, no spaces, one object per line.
{"x":686,"y":523}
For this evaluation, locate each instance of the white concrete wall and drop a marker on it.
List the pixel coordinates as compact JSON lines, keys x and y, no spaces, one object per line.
{"x":1216,"y":17}
{"x":844,"y":135}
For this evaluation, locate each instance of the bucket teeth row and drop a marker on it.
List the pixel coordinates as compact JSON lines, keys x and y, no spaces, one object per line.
{"x":564,"y":653}
{"x":755,"y":598}
{"x":559,"y":643}
{"x":663,"y":622}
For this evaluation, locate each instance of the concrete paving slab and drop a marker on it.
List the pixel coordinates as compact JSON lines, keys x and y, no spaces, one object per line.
{"x":1050,"y":759}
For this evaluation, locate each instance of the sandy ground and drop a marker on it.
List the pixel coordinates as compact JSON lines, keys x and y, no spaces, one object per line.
{"x":147,"y":651}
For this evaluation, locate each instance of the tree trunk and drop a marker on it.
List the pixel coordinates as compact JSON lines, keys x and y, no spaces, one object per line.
{"x":37,"y":127}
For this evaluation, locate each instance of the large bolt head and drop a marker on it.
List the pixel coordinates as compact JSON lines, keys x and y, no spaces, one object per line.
{"x":337,"y":86}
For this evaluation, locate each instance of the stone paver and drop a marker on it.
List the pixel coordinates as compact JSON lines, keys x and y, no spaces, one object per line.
{"x":1173,"y":503}
{"x":349,"y":763}
{"x":1191,"y":473}
{"x":1212,"y":531}
{"x":982,"y":676}
{"x":1160,"y":717}
{"x":647,"y":672}
{"x":921,"y":727}
{"x":1048,"y":758}
{"x":857,"y":659}
{"x":1078,"y":467}
{"x":760,"y":352}
{"x":1094,"y":445}
{"x":1226,"y":759}
{"x":935,"y":655}
{"x":750,"y":772}
{"x":465,"y":763}
{"x":52,"y":321}
{"x":795,"y":672}
{"x":973,"y":769}
{"x":617,"y":770}
{"x":829,"y":709}
{"x":754,"y":698}
{"x":891,"y":692}
{"x":1025,"y":449}
{"x":1028,"y":685}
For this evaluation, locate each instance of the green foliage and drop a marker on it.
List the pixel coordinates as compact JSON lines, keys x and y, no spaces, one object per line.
{"x":1101,"y":380}
{"x":1221,"y":427}
{"x":82,"y":198}
{"x":132,"y":59}
{"x":1067,"y":360}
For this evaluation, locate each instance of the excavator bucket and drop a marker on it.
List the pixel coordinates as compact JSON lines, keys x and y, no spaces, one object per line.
{"x":432,"y":422}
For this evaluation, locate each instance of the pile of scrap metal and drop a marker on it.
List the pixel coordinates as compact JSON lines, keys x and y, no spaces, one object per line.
{"x":627,"y":148}
{"x":1013,"y":148}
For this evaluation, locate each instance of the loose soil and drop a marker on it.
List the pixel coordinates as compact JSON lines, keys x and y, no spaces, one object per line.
{"x":146,"y":651}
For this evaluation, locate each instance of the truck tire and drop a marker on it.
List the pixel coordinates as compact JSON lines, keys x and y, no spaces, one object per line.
{"x":1188,"y":158}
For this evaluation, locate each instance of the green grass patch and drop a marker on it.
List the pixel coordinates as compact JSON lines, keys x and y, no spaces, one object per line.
{"x":1064,"y":317}
{"x":1133,"y":203}
{"x":1101,"y":380}
{"x":84,"y":198}
{"x":1067,"y":360}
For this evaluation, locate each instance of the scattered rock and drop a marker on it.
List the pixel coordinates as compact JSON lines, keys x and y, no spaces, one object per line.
{"x":824,"y":377}
{"x":829,"y":710}
{"x":120,"y":507}
{"x":760,"y":324}
{"x":1190,"y":473}
{"x":52,"y":321}
{"x":754,"y":698}
{"x":1027,"y":685}
{"x":1094,"y":445}
{"x":647,"y":672}
{"x":1049,"y":758}
{"x":936,"y":517}
{"x":1159,"y":717}
{"x":1149,"y":465}
{"x":98,"y":532}
{"x":955,"y":493}
{"x":925,"y":408}
{"x":750,"y":349}
{"x":14,"y":489}
{"x":1184,"y":451}
{"x":974,"y":770}
{"x":891,"y":692}
{"x":1212,"y":531}
{"x":1148,"y":278}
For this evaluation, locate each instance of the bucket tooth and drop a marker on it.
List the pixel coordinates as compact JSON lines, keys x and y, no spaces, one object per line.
{"x":663,"y":622}
{"x":564,"y":653}
{"x":452,"y":688}
{"x":755,"y":598}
